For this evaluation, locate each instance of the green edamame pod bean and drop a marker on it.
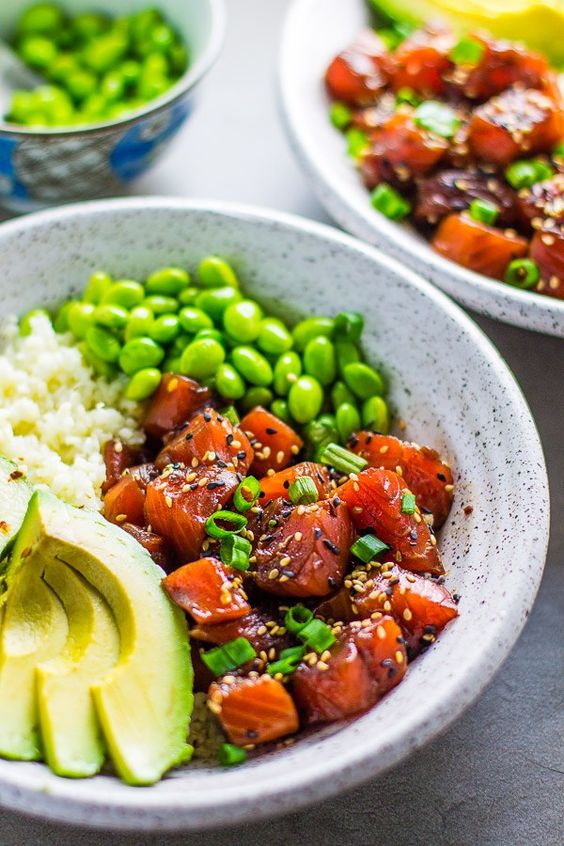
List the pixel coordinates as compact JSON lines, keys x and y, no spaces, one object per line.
{"x":188,"y":296}
{"x":193,"y":319}
{"x":256,"y":396}
{"x":214,"y":301}
{"x":165,"y":329}
{"x":41,"y":18}
{"x":124,"y":292}
{"x":171,"y":364}
{"x":26,"y":323}
{"x":305,"y":399}
{"x":279,"y":408}
{"x":287,"y":370}
{"x":201,"y":358}
{"x":161,"y":305}
{"x":320,"y":432}
{"x":363,"y":380}
{"x":242,"y":321}
{"x":98,"y":365}
{"x":180,"y":343}
{"x":103,"y":343}
{"x":253,"y":366}
{"x":319,"y":359}
{"x":376,"y":415}
{"x":349,"y":326}
{"x":140,"y":321}
{"x":347,"y":353}
{"x":61,"y":319}
{"x":168,"y":281}
{"x":143,"y":384}
{"x":340,"y":394}
{"x":229,"y":383}
{"x":310,"y":328}
{"x":140,"y":353}
{"x":214,"y":272}
{"x":348,"y":421}
{"x":274,"y":338}
{"x":111,"y":316}
{"x":211,"y":333}
{"x":80,"y":317}
{"x":98,"y":283}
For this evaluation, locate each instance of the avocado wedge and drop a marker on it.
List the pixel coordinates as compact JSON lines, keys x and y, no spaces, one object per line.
{"x":71,"y":734}
{"x":534,"y":22}
{"x":15,"y":493}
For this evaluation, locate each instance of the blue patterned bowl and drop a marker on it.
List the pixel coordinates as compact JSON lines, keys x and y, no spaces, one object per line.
{"x":42,"y":167}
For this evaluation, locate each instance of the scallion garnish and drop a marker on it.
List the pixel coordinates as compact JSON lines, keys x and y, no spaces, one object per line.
{"x":288,"y":661}
{"x":246,"y":494}
{"x":230,"y":755}
{"x":524,"y":173}
{"x":340,"y":115}
{"x":468,"y":51}
{"x":230,"y":413}
{"x":522,"y":273}
{"x":368,"y":547}
{"x":558,"y":152}
{"x":316,"y":635}
{"x":389,"y":202}
{"x":437,"y":117}
{"x":342,"y":459}
{"x":483,"y":211}
{"x":408,"y":503}
{"x":235,"y":552}
{"x":407,"y":95}
{"x":357,"y":142}
{"x":229,"y":656}
{"x":297,"y":617}
{"x":349,"y":326}
{"x":303,"y":491}
{"x":214,"y":530}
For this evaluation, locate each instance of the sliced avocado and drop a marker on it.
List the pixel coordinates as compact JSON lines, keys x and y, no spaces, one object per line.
{"x":15,"y":493}
{"x":534,"y":22}
{"x":71,"y":734}
{"x":144,"y":703}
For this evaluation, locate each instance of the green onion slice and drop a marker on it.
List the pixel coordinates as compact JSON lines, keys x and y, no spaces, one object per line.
{"x":357,"y":142}
{"x":246,"y":494}
{"x":342,"y":459}
{"x":368,"y":547}
{"x":389,"y":202}
{"x":340,"y":115}
{"x":316,"y":635}
{"x":214,"y":530}
{"x":229,"y":656}
{"x":297,"y":617}
{"x":483,"y":211}
{"x":230,"y":755}
{"x":230,"y":413}
{"x":349,"y":326}
{"x":525,"y":173}
{"x":522,"y":273}
{"x":235,"y":552}
{"x":303,"y":491}
{"x":288,"y":661}
{"x":407,"y":95}
{"x":468,"y":51}
{"x":437,"y":117}
{"x":408,"y":503}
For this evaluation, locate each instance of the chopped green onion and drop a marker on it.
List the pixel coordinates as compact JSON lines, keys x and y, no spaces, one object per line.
{"x":340,"y":115}
{"x":349,"y":326}
{"x":229,"y":656}
{"x":288,"y":661}
{"x":468,"y":51}
{"x":303,"y":491}
{"x":297,"y":617}
{"x":527,"y":172}
{"x":235,"y":552}
{"x":342,"y":459}
{"x":391,"y":38}
{"x":246,"y":494}
{"x":230,"y":755}
{"x":237,"y":521}
{"x":437,"y":117}
{"x":317,"y":635}
{"x":357,"y":142}
{"x":408,"y":503}
{"x":558,"y":152}
{"x":230,"y":413}
{"x":407,"y":95}
{"x":522,"y":273}
{"x":368,"y":547}
{"x":483,"y":211}
{"x":389,"y":202}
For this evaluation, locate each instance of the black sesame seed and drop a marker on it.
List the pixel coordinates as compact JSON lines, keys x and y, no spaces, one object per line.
{"x":317,"y":533}
{"x":456,"y":597}
{"x":331,"y":546}
{"x":189,"y":436}
{"x":441,"y":477}
{"x":286,"y":484}
{"x":242,"y":454}
{"x":221,"y":463}
{"x":230,"y":438}
{"x":331,"y":582}
{"x":270,"y":431}
{"x":207,"y":416}
{"x":213,"y":485}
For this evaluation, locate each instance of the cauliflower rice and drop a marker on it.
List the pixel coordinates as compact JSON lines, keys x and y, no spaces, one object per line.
{"x":56,"y":414}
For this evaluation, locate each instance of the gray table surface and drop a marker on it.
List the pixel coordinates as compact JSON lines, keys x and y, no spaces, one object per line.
{"x":496,"y":777}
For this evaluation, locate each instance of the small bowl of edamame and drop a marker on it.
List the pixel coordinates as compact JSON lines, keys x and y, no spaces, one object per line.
{"x":114,"y":89}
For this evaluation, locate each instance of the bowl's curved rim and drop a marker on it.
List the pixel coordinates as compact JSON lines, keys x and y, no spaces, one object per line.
{"x":486,"y":296}
{"x":187,"y":82}
{"x":143,"y":809}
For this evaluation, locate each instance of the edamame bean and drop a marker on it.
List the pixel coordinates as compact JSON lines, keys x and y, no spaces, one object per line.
{"x":287,"y":370}
{"x":41,"y":18}
{"x":310,"y":328}
{"x":111,"y":316}
{"x":215,"y":272}
{"x":140,"y":353}
{"x":319,"y":433}
{"x":79,"y":316}
{"x":279,"y":408}
{"x":273,"y":337}
{"x":210,"y":333}
{"x":26,"y":323}
{"x":229,"y":382}
{"x":101,"y":53}
{"x":363,"y":380}
{"x":214,"y":301}
{"x":112,"y":86}
{"x":101,"y":367}
{"x":348,"y":420}
{"x":165,"y":328}
{"x":168,"y":281}
{"x":349,"y":326}
{"x":140,"y":321}
{"x":124,"y":292}
{"x":347,"y":353}
{"x":340,"y":394}
{"x":180,"y":343}
{"x":80,"y":83}
{"x":161,"y":305}
{"x":376,"y":415}
{"x":61,"y":321}
{"x":88,"y":25}
{"x":171,"y":364}
{"x":256,"y":396}
{"x":253,"y":366}
{"x":188,"y":296}
{"x":305,"y":399}
{"x":98,"y":284}
{"x":201,"y":358}
{"x":319,"y":359}
{"x":103,"y":344}
{"x":143,"y":384}
{"x":193,"y":319}
{"x":242,"y":321}
{"x":37,"y":51}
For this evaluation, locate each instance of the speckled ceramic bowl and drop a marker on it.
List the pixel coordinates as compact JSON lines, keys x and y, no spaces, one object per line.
{"x":447,"y":382}
{"x":43,"y":167}
{"x":315,"y":31}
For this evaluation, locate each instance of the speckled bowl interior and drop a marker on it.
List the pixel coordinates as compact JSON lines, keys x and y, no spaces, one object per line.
{"x":321,"y":150}
{"x":455,"y":393}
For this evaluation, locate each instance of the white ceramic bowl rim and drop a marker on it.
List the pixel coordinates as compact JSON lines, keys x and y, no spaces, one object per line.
{"x":313,"y":777}
{"x":192,"y":76}
{"x":479,"y":292}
